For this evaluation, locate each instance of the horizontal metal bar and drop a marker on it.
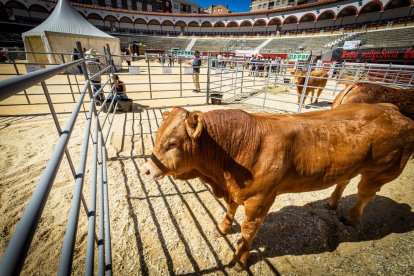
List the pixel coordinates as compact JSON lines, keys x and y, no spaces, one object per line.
{"x":9,"y":87}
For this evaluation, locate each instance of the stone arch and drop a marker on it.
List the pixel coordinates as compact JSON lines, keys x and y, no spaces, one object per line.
{"x":219,"y":27}
{"x":180,"y":26}
{"x":291,"y":19}
{"x":16,"y":5}
{"x":193,"y":27}
{"x":260,"y":26}
{"x":13,"y":9}
{"x":154,"y":25}
{"x":95,"y":19}
{"x":325,"y":19}
{"x":246,"y":26}
{"x":38,"y":11}
{"x":125,"y":19}
{"x":206,"y":24}
{"x":38,"y":8}
{"x":193,"y":24}
{"x":219,"y":24}
{"x":260,"y":22}
{"x":373,"y":6}
{"x":232,"y":24}
{"x":275,"y":21}
{"x":347,"y":11}
{"x":206,"y":27}
{"x":126,"y":22}
{"x":274,"y":24}
{"x":307,"y":17}
{"x":140,"y":21}
{"x":167,"y":25}
{"x":326,"y":15}
{"x":397,"y":4}
{"x":140,"y":24}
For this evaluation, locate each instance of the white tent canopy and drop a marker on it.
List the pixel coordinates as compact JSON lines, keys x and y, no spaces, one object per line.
{"x":60,"y":32}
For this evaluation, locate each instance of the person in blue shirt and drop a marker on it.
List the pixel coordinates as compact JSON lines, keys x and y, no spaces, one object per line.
{"x":196,"y":71}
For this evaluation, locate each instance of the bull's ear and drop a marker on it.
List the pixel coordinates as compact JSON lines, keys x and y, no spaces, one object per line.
{"x":165,"y":115}
{"x":194,"y":124}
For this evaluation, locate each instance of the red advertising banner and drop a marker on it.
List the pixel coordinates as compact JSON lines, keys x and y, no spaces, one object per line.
{"x":376,"y":54}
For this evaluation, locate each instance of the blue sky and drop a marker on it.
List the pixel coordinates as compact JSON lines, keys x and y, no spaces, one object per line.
{"x":234,"y":5}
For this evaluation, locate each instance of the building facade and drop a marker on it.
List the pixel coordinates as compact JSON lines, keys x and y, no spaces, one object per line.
{"x":218,"y":9}
{"x":183,"y":6}
{"x":262,"y":5}
{"x":164,"y":6}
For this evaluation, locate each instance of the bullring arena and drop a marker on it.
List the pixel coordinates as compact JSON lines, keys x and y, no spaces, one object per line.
{"x":168,"y":226}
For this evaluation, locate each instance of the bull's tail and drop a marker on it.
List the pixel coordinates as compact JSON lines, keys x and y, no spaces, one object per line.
{"x":339,"y":99}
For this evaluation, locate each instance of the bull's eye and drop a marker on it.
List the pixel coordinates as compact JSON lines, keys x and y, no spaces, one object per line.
{"x":171,"y":144}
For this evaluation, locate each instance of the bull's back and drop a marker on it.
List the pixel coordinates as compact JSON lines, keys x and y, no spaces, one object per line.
{"x":320,"y":80}
{"x":336,"y":145}
{"x":375,"y":93}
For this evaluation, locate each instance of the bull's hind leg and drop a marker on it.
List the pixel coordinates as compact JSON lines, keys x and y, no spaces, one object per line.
{"x":226,"y":223}
{"x":336,"y":195}
{"x":367,"y":188}
{"x":371,"y":184}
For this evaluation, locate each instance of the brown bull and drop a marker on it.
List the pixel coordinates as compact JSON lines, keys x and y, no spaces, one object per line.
{"x":317,"y":81}
{"x":377,"y":93}
{"x":249,"y":159}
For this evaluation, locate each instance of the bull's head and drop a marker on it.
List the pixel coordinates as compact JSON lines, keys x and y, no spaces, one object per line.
{"x":298,"y":76}
{"x":175,"y":144}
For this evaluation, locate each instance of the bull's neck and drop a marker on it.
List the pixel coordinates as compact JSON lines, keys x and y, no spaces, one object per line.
{"x":229,"y":138}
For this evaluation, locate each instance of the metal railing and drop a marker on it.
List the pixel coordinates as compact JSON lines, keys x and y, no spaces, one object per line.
{"x":17,"y":249}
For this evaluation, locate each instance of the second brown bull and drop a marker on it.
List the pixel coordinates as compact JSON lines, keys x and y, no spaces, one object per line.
{"x":317,"y":81}
{"x":377,"y":93}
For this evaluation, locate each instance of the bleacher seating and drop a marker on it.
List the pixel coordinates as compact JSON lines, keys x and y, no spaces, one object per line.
{"x":285,"y":44}
{"x":386,"y":38}
{"x":158,"y":42}
{"x":226,"y":44}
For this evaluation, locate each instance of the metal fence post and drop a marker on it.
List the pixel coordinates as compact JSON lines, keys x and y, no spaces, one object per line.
{"x":221,"y":78}
{"x":70,"y":85}
{"x":242,"y":79}
{"x":18,"y":73}
{"x":266,"y":84}
{"x":149,"y":76}
{"x":302,"y":96}
{"x":208,"y":78}
{"x":181,"y":78}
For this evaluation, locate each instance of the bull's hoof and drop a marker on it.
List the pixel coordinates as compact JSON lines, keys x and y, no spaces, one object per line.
{"x":237,"y":265}
{"x":348,"y":221}
{"x":219,"y":233}
{"x":223,"y":229}
{"x":330,"y":206}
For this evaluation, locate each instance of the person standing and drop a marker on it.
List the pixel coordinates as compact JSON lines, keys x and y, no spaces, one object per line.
{"x":75,"y":56}
{"x":94,"y":67}
{"x":196,"y":71}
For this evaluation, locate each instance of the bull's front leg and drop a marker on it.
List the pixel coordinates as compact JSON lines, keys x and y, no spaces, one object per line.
{"x":255,"y":212}
{"x":226,"y":223}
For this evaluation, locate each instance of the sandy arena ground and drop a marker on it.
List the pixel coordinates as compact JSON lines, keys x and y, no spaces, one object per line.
{"x":169,"y":226}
